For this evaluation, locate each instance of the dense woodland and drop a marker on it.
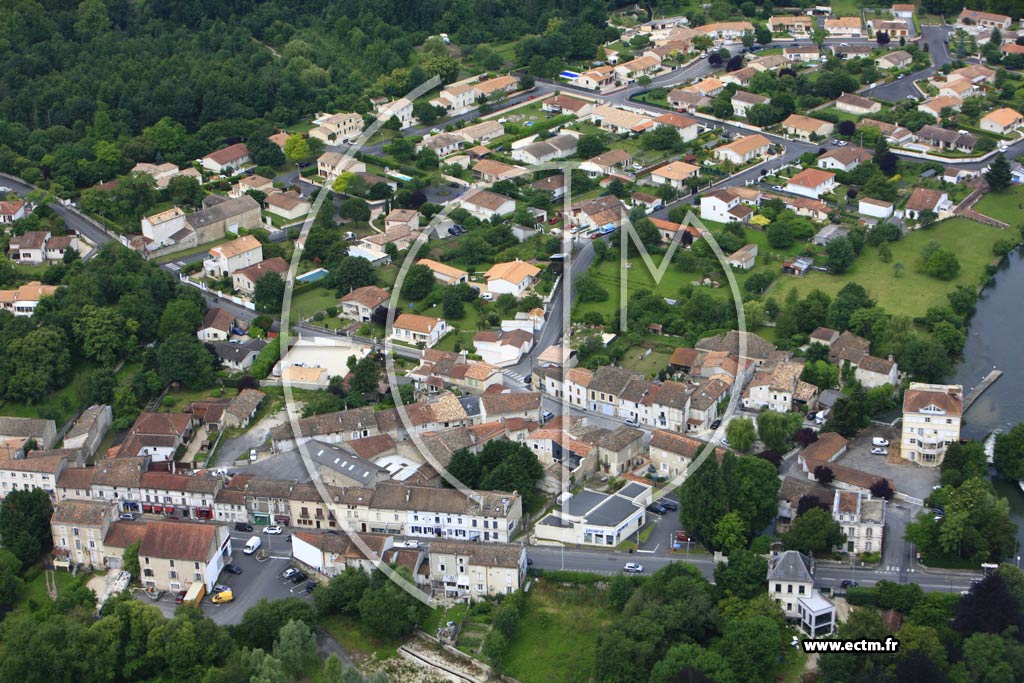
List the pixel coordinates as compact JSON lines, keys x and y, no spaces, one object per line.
{"x":88,"y":90}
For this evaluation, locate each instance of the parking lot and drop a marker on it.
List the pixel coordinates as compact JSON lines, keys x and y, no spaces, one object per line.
{"x":257,"y":580}
{"x":906,"y":478}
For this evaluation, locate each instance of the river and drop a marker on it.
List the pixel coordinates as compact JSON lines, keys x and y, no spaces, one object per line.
{"x":994,"y":340}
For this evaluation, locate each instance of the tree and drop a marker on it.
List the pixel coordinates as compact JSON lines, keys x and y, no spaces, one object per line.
{"x":365,"y":375}
{"x":1008,"y":454}
{"x":999,"y":175}
{"x":25,"y":524}
{"x":419,"y":281}
{"x":882,"y":38}
{"x":102,"y":334}
{"x":814,"y":531}
{"x":762,"y":33}
{"x":743,"y":576}
{"x":352,"y":272}
{"x":296,"y":148}
{"x":824,"y":475}
{"x":730,"y":533}
{"x":355,"y":209}
{"x":180,"y":315}
{"x":40,"y":361}
{"x":295,"y":648}
{"x":702,"y":501}
{"x":741,"y":433}
{"x":269,"y":293}
{"x":389,"y":611}
{"x":882,"y":489}
{"x":690,"y":663}
{"x":183,"y":358}
{"x":10,"y":582}
{"x":130,"y":560}
{"x":261,"y":623}
{"x":847,"y":127}
{"x":776,"y":430}
{"x":342,"y":593}
{"x":751,"y":647}
{"x":941,"y":263}
{"x":840,"y":255}
{"x":452,"y":305}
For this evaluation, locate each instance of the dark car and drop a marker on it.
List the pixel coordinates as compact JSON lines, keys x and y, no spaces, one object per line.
{"x":656,"y":508}
{"x":311,"y":586}
{"x":299,"y":578}
{"x":848,"y":583}
{"x":179,"y":597}
{"x":669,"y":504}
{"x":716,"y":424}
{"x":232,"y":569}
{"x":243,"y":526}
{"x":452,"y":231}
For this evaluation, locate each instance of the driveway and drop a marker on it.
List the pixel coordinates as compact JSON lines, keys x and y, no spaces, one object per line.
{"x":238,"y":447}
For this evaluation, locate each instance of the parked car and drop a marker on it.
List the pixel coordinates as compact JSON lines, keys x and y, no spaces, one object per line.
{"x":126,"y":516}
{"x":252,"y":455}
{"x":879,"y":441}
{"x":273,"y":530}
{"x":879,"y":451}
{"x":243,"y":526}
{"x":179,"y":597}
{"x":631,"y":423}
{"x":716,"y":424}
{"x":311,"y":586}
{"x":232,"y":569}
{"x":289,"y":573}
{"x":901,"y":77}
{"x":546,"y":415}
{"x":777,"y":187}
{"x":452,"y":231}
{"x":683,"y":537}
{"x":299,"y":578}
{"x":848,"y":583}
{"x":220,"y":588}
{"x":222,"y":597}
{"x":657,"y":508}
{"x":670,"y":505}
{"x":486,"y":296}
{"x":633,"y":568}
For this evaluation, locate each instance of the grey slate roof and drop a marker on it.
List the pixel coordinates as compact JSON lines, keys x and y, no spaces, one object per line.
{"x":791,"y":566}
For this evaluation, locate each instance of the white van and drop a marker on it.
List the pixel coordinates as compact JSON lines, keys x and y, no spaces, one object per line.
{"x":252,"y":545}
{"x":879,"y":441}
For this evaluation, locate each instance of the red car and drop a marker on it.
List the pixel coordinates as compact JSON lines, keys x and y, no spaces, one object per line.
{"x":179,"y":597}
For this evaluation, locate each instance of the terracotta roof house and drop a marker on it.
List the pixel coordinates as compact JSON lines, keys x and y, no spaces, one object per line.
{"x":419,"y":329}
{"x":245,"y":279}
{"x":361,"y":303}
{"x":924,"y":199}
{"x":803,"y":127}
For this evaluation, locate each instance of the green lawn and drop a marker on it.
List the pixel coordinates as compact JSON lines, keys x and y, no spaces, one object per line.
{"x":650,"y":365}
{"x":58,"y":406}
{"x":1004,"y":206}
{"x":555,"y":640}
{"x":639,"y":277}
{"x":912,"y":293}
{"x":33,"y":593}
{"x":305,"y":304}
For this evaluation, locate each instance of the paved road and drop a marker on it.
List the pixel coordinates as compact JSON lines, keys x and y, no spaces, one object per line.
{"x":73,"y":218}
{"x":826,"y":575}
{"x":899,"y":90}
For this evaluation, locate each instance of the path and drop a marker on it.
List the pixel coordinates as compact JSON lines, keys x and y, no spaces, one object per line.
{"x":326,"y":645}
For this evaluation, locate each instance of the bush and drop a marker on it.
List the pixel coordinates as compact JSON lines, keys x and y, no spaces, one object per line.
{"x":566,"y":576}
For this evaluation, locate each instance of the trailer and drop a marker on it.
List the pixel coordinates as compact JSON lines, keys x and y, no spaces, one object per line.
{"x":195,"y":593}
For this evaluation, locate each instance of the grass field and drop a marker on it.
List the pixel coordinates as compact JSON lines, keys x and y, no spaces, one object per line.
{"x":555,"y":639}
{"x":33,"y":593}
{"x":914,"y":292}
{"x":649,"y":365}
{"x":1004,"y":206}
{"x":312,"y":301}
{"x":639,"y":277}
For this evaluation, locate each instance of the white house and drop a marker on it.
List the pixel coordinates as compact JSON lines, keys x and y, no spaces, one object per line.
{"x":742,"y":101}
{"x":675,"y":174}
{"x":240,"y":253}
{"x":161,"y":227}
{"x":502,"y":348}
{"x":931,"y":421}
{"x":229,"y":158}
{"x":513,"y":277}
{"x":419,"y":329}
{"x":862,"y":519}
{"x":812,"y":182}
{"x":744,"y":149}
{"x":876,"y":208}
{"x":1001,"y":121}
{"x":485,"y":204}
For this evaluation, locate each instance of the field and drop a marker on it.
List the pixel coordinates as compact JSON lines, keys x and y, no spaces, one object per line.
{"x":555,"y":639}
{"x":312,"y":301}
{"x":639,"y":277}
{"x":1004,"y":206}
{"x":913,"y":292}
{"x":357,"y":641}
{"x":650,"y":365}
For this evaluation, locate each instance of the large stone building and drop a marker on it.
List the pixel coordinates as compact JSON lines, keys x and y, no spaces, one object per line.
{"x":931,"y":421}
